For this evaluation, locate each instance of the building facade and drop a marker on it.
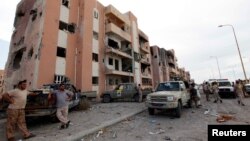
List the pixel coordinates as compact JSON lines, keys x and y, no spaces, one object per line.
{"x":93,"y":46}
{"x":165,"y":66}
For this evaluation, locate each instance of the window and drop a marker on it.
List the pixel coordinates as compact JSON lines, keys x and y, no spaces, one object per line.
{"x":59,"y":79}
{"x":116,"y":64}
{"x":61,"y":52}
{"x":111,"y":81}
{"x":95,"y":35}
{"x":30,"y":54}
{"x":65,"y":3}
{"x":96,"y":14}
{"x":17,"y":60}
{"x":68,"y":27}
{"x":113,"y":44}
{"x":111,"y":61}
{"x":95,"y":57}
{"x":95,"y":80}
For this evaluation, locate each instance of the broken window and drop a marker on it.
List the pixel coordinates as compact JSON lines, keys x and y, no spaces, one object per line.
{"x":95,"y":35}
{"x":17,"y":59}
{"x":96,"y":14}
{"x":113,"y":44}
{"x":33,"y":12}
{"x":95,"y":57}
{"x":20,"y":13}
{"x":65,"y":3}
{"x":95,"y":80}
{"x":30,"y":53}
{"x":68,"y":27}
{"x":61,"y":52}
{"x":111,"y":61}
{"x":117,"y":65}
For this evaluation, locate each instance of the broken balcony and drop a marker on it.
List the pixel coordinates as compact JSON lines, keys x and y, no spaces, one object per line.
{"x":124,"y":51}
{"x":111,"y":28}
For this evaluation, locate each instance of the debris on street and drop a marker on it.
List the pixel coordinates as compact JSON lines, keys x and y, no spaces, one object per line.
{"x":224,"y":118}
{"x":158,"y":132}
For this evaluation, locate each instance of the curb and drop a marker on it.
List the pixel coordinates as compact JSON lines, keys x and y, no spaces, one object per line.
{"x":81,"y":134}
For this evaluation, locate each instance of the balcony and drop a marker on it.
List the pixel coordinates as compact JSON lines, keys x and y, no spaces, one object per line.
{"x":112,"y":28}
{"x":113,"y":13}
{"x":111,"y":50}
{"x":144,"y":48}
{"x":115,"y":72}
{"x":146,"y":75}
{"x":171,"y":61}
{"x":145,"y":61}
{"x":172,"y":70}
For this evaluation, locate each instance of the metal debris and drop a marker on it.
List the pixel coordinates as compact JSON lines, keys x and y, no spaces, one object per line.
{"x":158,"y":132}
{"x":114,"y":135}
{"x":99,"y":133}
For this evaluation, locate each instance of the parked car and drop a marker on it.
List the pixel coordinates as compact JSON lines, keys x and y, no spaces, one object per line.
{"x":226,"y":88}
{"x":124,"y":91}
{"x":247,"y":88}
{"x":171,"y":95}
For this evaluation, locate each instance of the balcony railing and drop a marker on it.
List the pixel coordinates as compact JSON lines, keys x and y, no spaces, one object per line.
{"x":118,"y":52}
{"x":116,"y":72}
{"x":112,"y":28}
{"x":144,"y":48}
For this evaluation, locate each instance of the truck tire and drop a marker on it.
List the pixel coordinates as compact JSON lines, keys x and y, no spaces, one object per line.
{"x":106,"y":98}
{"x":151,"y":111}
{"x":178,"y":110}
{"x":136,"y":98}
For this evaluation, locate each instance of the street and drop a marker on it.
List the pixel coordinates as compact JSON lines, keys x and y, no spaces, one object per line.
{"x":192,"y":126}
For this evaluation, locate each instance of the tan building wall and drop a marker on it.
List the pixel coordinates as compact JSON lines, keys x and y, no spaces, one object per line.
{"x":83,"y":41}
{"x":1,"y":81}
{"x":165,"y":67}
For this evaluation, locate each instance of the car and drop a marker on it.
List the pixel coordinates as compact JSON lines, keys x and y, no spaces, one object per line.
{"x":170,"y":95}
{"x":226,"y":88}
{"x":39,"y":105}
{"x":123,"y":91}
{"x":247,"y":88}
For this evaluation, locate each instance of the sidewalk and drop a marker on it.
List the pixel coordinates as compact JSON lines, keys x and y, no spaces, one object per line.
{"x":83,"y":122}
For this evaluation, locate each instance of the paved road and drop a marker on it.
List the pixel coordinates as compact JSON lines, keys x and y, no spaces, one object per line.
{"x":192,"y":126}
{"x":81,"y":121}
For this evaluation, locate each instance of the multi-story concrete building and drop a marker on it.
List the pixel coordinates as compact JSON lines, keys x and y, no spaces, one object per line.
{"x":1,"y":81}
{"x":165,"y":65}
{"x":93,"y":46}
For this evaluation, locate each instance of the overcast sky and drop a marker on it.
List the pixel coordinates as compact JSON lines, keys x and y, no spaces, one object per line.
{"x":190,"y":27}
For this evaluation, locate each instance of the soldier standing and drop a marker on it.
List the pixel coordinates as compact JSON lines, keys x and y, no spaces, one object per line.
{"x":215,"y":88}
{"x":239,"y":92}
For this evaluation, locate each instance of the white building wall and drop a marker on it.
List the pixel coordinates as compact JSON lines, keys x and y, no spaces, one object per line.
{"x":62,"y":39}
{"x":135,"y":44}
{"x":60,"y":66}
{"x":95,"y":49}
{"x":64,"y":14}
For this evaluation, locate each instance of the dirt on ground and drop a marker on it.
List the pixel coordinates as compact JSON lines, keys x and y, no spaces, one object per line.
{"x":192,"y":126}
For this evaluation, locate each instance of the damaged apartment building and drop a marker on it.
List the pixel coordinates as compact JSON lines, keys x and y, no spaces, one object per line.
{"x":165,"y":67}
{"x":96,"y":47}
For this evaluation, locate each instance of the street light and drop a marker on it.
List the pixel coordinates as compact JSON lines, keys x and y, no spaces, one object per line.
{"x":217,"y":64}
{"x":237,"y":48}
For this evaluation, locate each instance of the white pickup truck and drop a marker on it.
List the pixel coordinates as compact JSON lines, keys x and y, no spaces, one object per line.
{"x":171,"y":95}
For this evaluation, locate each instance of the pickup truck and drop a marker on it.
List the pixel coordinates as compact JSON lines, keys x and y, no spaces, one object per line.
{"x":39,"y":105}
{"x":124,"y":91}
{"x":170,"y":95}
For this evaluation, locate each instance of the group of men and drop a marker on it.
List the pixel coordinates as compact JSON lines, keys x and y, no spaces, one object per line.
{"x":213,"y":89}
{"x":17,"y":99}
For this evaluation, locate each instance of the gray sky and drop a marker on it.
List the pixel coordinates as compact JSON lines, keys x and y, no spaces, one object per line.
{"x":188,"y":26}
